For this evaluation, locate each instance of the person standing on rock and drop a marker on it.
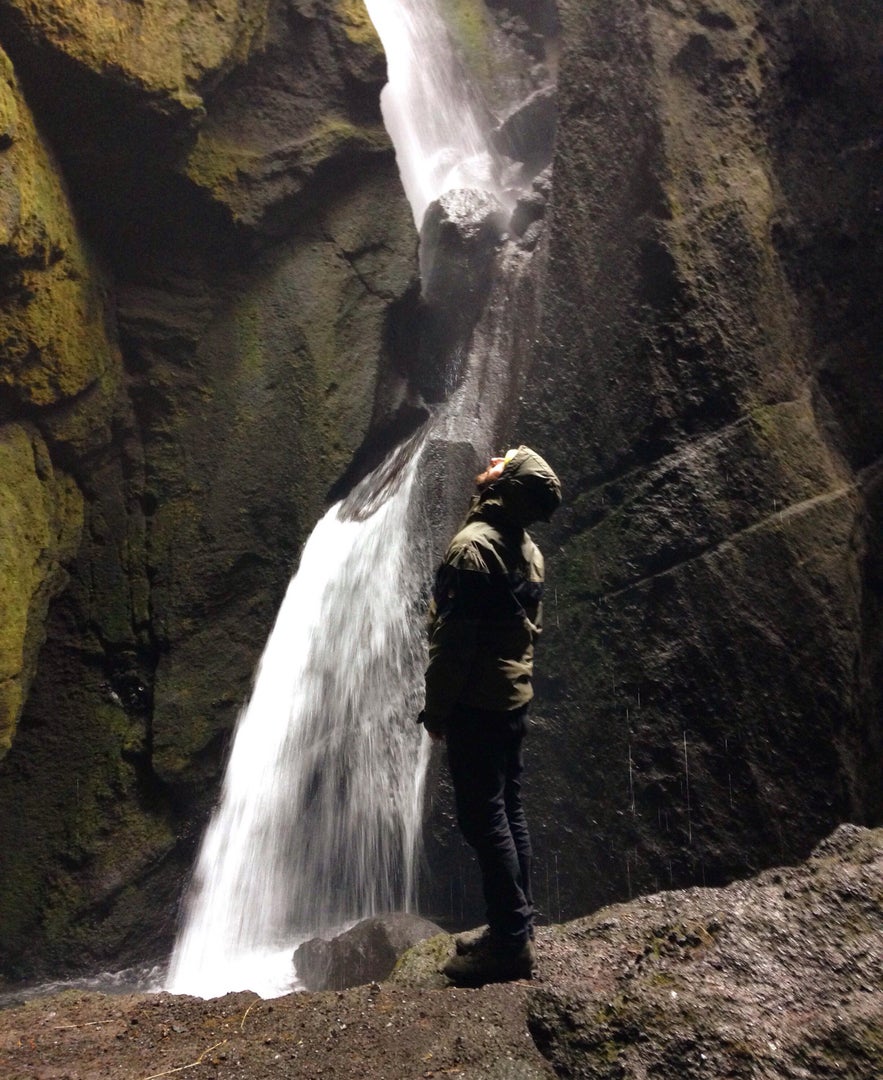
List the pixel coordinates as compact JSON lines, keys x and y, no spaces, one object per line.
{"x":483,"y":623}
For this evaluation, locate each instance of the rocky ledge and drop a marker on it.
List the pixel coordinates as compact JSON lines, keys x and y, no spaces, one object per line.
{"x":776,"y":977}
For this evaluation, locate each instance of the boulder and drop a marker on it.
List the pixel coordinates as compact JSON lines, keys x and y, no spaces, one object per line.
{"x":366,"y":953}
{"x":461,"y":232}
{"x":779,"y":976}
{"x":459,"y":239}
{"x":527,"y":134}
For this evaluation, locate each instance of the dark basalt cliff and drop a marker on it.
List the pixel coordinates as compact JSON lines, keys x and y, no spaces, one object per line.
{"x":709,"y":384}
{"x":207,"y":312}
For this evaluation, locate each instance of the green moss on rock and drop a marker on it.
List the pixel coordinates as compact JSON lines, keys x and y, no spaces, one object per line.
{"x":167,"y":47}
{"x":357,"y":25}
{"x":41,"y":516}
{"x":52,"y":327}
{"x":336,"y":135}
{"x":218,"y":164}
{"x":228,"y":170}
{"x":420,"y":967}
{"x":470,"y":27}
{"x":79,"y":839}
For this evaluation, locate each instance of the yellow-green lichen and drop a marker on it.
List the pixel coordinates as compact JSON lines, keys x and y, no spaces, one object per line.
{"x":334,"y":135}
{"x":217,"y":164}
{"x":165,"y":46}
{"x":41,"y":517}
{"x":52,"y":330}
{"x":470,"y":27}
{"x":228,"y":170}
{"x":357,"y":25}
{"x":420,"y":966}
{"x":53,"y":339}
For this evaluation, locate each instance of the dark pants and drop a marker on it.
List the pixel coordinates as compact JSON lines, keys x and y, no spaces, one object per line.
{"x":484,"y":755}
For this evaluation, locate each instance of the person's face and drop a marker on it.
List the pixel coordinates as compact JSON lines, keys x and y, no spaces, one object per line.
{"x":491,"y":473}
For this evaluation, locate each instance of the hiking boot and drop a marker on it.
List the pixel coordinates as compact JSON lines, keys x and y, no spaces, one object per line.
{"x":465,"y":943}
{"x":471,"y":940}
{"x":492,"y":961}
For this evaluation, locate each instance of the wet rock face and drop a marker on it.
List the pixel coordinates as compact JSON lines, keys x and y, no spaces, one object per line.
{"x":540,"y":15}
{"x":709,"y":680}
{"x":460,"y":236}
{"x":527,"y":134}
{"x":778,"y":975}
{"x":460,"y":233}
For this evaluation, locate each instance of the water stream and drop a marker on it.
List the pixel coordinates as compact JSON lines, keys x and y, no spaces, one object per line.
{"x":440,"y":133}
{"x":319,"y":817}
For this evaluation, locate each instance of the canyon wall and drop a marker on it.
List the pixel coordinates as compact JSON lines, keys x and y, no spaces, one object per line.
{"x":208,"y":311}
{"x":709,"y":384}
{"x":203,"y":235}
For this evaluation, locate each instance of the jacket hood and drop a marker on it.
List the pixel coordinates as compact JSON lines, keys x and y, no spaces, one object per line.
{"x":527,"y":490}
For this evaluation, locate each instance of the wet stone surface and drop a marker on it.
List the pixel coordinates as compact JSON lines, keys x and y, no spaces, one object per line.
{"x":779,"y":976}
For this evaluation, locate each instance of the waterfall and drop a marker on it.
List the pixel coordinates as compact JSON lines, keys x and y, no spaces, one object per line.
{"x":318,"y":822}
{"x":441,"y":136}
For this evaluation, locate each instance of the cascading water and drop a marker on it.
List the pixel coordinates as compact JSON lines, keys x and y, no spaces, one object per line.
{"x":439,"y":132}
{"x":319,"y":813}
{"x":319,"y":818}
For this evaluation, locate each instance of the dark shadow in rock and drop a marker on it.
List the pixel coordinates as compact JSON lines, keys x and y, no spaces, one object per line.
{"x":532,"y":205}
{"x":527,"y":135}
{"x":428,"y":331}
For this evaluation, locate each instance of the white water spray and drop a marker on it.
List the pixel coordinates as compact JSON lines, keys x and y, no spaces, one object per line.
{"x":441,"y":135}
{"x":318,"y":822}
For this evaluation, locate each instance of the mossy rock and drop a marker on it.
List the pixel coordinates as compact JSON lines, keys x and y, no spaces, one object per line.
{"x":420,"y":967}
{"x":52,"y":320}
{"x":229,"y":170}
{"x":470,"y":27}
{"x":164,"y":47}
{"x":83,"y":837}
{"x":41,"y":517}
{"x":356,"y":22}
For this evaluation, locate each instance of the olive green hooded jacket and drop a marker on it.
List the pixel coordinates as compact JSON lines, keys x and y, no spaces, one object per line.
{"x":485,"y":614}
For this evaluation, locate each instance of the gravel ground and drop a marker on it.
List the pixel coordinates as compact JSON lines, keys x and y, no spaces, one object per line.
{"x":385,"y":1032}
{"x":779,"y":977}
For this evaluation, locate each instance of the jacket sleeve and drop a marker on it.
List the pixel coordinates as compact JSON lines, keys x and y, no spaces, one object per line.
{"x":455,"y":615}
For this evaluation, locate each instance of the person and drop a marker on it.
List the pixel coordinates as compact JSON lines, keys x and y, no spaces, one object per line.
{"x":484,"y":618}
